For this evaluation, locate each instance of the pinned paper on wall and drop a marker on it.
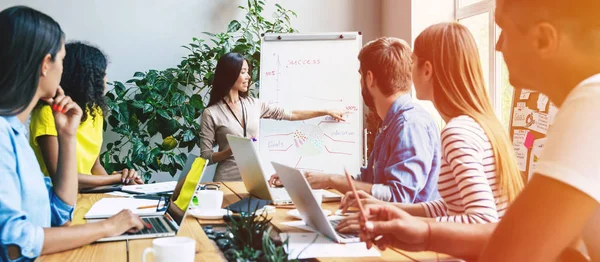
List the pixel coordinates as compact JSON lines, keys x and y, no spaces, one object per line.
{"x":534,"y":158}
{"x":540,"y":122}
{"x":524,"y":94}
{"x":520,"y":150}
{"x":542,"y":102}
{"x":520,"y":116}
{"x":552,"y":111}
{"x":519,"y":137}
{"x":529,"y":139}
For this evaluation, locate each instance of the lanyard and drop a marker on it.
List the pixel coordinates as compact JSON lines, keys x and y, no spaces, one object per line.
{"x":243,"y":115}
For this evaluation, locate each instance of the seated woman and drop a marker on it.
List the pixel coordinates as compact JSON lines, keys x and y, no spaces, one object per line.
{"x":231,"y":111}
{"x":34,"y":211}
{"x":84,"y":80}
{"x":479,"y":175}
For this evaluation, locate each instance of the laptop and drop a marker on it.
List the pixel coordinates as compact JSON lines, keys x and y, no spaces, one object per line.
{"x":161,"y":187}
{"x":164,"y":225}
{"x":308,"y":207}
{"x":253,"y":171}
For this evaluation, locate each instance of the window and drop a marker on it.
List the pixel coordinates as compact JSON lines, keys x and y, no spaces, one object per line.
{"x":463,"y":3}
{"x":479,"y":25}
{"x":478,"y":17}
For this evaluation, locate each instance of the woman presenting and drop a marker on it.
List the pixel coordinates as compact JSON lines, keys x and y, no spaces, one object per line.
{"x":231,"y":111}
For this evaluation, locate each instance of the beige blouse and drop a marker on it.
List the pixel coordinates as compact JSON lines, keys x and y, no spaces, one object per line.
{"x":217,"y":122}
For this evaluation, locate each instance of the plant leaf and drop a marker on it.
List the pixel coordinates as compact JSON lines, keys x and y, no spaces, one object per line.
{"x":234,"y":26}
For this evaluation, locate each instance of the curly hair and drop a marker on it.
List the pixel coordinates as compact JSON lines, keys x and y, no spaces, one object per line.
{"x":84,"y":69}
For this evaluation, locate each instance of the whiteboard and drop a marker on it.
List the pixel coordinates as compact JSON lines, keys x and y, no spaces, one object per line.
{"x":312,"y":72}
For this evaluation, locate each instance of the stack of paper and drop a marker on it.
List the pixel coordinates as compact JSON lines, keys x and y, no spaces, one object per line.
{"x":108,"y":207}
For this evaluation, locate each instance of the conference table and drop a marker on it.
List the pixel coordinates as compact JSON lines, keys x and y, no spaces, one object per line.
{"x":206,"y":249}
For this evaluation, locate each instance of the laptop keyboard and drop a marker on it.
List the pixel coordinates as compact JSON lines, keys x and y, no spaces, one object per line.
{"x":157,"y":223}
{"x":280,"y":194}
{"x":334,"y":223}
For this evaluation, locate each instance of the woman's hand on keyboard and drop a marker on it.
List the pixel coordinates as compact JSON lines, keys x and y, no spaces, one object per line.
{"x":350,"y":224}
{"x":124,"y":221}
{"x":349,"y":200}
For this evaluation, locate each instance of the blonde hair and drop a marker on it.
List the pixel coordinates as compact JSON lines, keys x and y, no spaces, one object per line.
{"x":388,"y":58}
{"x":459,"y":89}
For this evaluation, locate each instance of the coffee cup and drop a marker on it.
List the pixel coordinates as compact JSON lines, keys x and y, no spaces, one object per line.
{"x":209,"y":200}
{"x":180,"y":249}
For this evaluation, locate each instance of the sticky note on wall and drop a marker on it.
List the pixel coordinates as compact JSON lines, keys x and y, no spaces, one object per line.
{"x":529,"y":140}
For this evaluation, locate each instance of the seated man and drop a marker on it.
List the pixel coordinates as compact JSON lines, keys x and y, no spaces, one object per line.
{"x":405,"y":161}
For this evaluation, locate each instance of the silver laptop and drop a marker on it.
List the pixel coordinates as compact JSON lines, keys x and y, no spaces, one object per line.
{"x":294,"y":181}
{"x":162,"y":226}
{"x":253,"y":171}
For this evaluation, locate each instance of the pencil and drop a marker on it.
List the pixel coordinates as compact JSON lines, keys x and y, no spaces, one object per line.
{"x":286,"y":207}
{"x":146,"y":207}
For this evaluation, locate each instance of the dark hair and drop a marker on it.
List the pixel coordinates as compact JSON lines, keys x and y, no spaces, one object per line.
{"x":26,"y":37}
{"x":83,"y":77}
{"x":389,"y":60}
{"x":577,"y":17}
{"x":227,"y":72}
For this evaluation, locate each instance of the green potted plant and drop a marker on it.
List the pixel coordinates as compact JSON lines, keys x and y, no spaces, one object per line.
{"x":155,"y":115}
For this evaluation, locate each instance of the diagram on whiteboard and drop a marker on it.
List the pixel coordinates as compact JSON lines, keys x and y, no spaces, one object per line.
{"x":308,"y":141}
{"x":307,"y":75}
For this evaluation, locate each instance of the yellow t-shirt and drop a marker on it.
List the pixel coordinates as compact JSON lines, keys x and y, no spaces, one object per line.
{"x":89,"y":137}
{"x":190,"y":183}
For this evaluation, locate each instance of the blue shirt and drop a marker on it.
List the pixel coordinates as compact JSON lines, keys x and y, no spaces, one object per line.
{"x":406,"y":154}
{"x":27,"y":200}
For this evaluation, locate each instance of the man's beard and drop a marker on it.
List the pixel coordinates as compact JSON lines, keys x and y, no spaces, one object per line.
{"x":367,"y":98}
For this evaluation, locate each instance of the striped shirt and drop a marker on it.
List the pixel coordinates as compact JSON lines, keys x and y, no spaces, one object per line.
{"x":467,"y":181}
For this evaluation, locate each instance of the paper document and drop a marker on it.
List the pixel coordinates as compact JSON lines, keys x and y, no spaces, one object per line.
{"x":298,"y":224}
{"x":108,"y":207}
{"x":313,"y":245}
{"x":155,"y":188}
{"x":301,"y":225}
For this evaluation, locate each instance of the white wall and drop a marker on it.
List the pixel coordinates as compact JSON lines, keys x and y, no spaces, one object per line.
{"x":138,"y":35}
{"x":396,"y":19}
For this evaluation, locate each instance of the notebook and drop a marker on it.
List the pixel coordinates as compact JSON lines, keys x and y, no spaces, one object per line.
{"x":108,"y":207}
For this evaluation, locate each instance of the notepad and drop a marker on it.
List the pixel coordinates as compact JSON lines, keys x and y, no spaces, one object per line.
{"x":108,"y":207}
{"x":151,"y":188}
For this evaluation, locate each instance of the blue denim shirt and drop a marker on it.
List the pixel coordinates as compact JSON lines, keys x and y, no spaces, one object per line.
{"x":27,"y":201}
{"x":406,"y":154}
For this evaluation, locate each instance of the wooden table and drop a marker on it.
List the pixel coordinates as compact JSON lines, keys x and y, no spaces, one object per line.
{"x":206,"y":250}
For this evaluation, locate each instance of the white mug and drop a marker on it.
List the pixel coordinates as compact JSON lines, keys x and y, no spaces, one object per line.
{"x":180,"y":249}
{"x":209,"y":200}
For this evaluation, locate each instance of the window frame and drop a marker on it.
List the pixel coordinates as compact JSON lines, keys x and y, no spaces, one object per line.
{"x":495,"y":63}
